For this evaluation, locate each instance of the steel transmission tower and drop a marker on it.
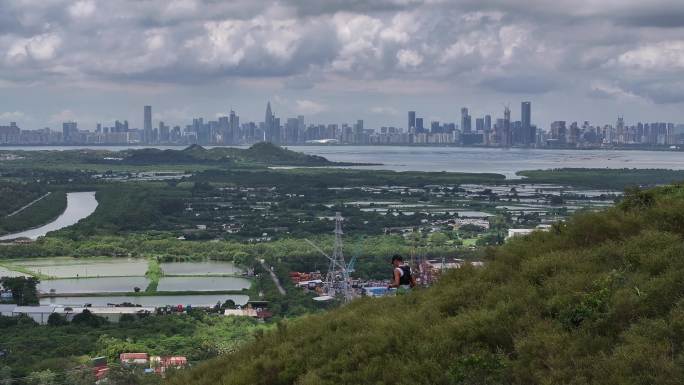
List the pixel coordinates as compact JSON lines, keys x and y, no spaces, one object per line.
{"x":337,"y":280}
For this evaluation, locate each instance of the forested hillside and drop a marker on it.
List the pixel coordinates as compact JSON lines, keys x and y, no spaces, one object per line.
{"x":598,"y":300}
{"x":259,"y":153}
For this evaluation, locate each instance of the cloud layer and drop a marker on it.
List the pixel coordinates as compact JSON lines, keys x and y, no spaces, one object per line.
{"x":606,"y":49}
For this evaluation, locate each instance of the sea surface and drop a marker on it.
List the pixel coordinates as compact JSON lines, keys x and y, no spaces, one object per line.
{"x":464,"y":159}
{"x":493,"y":160}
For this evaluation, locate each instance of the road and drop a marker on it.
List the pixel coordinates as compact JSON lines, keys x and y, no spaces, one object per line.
{"x":274,"y":277}
{"x":27,"y":205}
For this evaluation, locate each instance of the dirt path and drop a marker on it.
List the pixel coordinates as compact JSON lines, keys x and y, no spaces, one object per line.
{"x":27,"y":205}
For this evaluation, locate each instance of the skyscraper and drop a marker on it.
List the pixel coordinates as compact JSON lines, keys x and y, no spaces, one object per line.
{"x":507,"y":137}
{"x":69,"y":132}
{"x":558,"y":131}
{"x":528,"y":132}
{"x":419,"y":125}
{"x":270,"y":134}
{"x":234,"y":128}
{"x":411,"y":121}
{"x":164,"y":132}
{"x":465,"y":121}
{"x":358,"y":132}
{"x":302,"y":129}
{"x":147,"y":125}
{"x":488,"y":123}
{"x":291,"y":131}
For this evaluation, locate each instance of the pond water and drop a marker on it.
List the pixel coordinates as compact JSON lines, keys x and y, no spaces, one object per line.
{"x":473,"y":214}
{"x":199,"y":268}
{"x":158,"y":300}
{"x":93,"y":285}
{"x":202,"y":283}
{"x":67,"y":268}
{"x":79,"y":205}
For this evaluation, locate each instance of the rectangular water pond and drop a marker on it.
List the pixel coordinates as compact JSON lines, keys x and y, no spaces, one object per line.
{"x":93,"y":285}
{"x":73,"y":267}
{"x":157,"y":301}
{"x":199,"y":268}
{"x":202,"y":283}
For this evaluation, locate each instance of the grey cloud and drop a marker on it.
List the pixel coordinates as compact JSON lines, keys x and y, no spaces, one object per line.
{"x":666,"y":18}
{"x":521,"y":84}
{"x":316,"y":7}
{"x":491,"y":46}
{"x":669,"y":92}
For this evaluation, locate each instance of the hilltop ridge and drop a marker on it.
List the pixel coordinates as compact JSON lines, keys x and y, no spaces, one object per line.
{"x":596,"y":300}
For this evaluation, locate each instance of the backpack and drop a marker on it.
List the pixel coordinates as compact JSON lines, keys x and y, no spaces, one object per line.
{"x":406,"y":276}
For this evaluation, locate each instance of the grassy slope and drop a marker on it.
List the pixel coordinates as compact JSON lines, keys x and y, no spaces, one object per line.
{"x":597,"y":300}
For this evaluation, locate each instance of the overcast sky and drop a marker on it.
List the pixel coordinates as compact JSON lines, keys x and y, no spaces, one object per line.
{"x":340,"y":60}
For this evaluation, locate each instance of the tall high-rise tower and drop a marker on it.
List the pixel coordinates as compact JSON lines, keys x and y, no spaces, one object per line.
{"x":271,"y":134}
{"x":411,"y":122}
{"x":69,"y":131}
{"x":528,"y":132}
{"x":147,"y":124}
{"x":465,"y":121}
{"x":234,"y":127}
{"x":507,"y":135}
{"x":620,"y":130}
{"x":488,"y":123}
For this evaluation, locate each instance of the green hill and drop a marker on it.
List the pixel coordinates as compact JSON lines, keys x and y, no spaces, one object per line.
{"x":260,"y":153}
{"x":597,"y":300}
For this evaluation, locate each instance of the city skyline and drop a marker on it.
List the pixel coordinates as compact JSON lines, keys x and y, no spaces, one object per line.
{"x":491,"y":131}
{"x":147,"y":119}
{"x":67,"y":59}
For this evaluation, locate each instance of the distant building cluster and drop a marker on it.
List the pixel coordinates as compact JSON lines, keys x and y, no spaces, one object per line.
{"x":470,"y":131}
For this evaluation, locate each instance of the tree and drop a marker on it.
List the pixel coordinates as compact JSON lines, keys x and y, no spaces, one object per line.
{"x":438,"y":239}
{"x":23,"y":289}
{"x":43,"y":377}
{"x":81,"y":377}
{"x":56,"y":319}
{"x":5,"y":375}
{"x":229,"y":304}
{"x":87,"y":318}
{"x":122,"y":376}
{"x":472,"y":228}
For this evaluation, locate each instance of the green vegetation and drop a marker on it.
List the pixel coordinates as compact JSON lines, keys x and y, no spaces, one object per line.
{"x":153,"y":273}
{"x":604,"y":178}
{"x":38,"y":214}
{"x":596,"y":300}
{"x":545,"y":309}
{"x":62,"y":346}
{"x":16,"y":195}
{"x":295,"y":254}
{"x":258,"y":154}
{"x":193,"y":157}
{"x":130,"y":207}
{"x":23,"y":289}
{"x":303,"y":178}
